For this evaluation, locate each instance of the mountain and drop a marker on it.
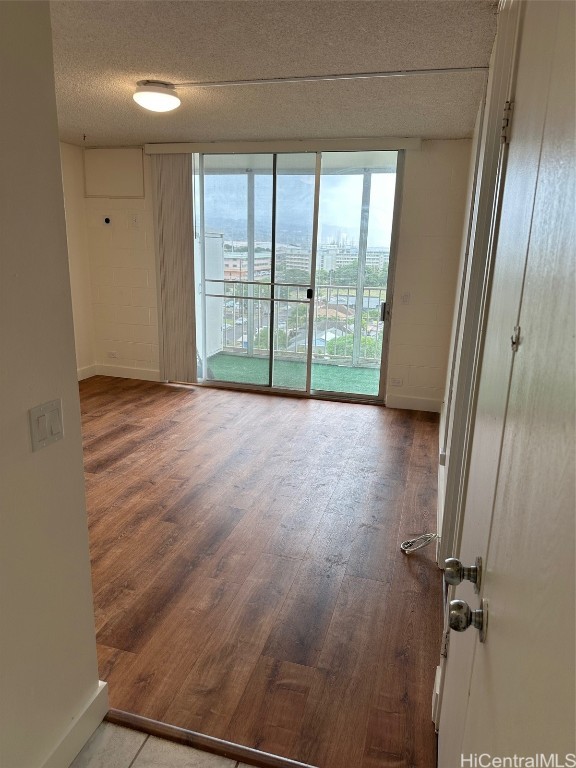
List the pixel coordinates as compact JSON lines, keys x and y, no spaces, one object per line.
{"x":226,"y":203}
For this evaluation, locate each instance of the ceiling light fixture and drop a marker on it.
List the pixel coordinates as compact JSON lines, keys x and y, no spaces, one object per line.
{"x":156,"y":96}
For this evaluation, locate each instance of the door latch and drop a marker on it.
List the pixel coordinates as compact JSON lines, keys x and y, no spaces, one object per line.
{"x":455,"y":573}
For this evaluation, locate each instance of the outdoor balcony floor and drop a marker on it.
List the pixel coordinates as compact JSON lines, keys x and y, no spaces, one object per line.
{"x":291,"y":374}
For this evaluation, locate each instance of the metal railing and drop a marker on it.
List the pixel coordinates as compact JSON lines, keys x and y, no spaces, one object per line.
{"x":334,"y":340}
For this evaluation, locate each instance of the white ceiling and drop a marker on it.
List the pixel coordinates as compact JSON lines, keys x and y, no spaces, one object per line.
{"x":101,"y":49}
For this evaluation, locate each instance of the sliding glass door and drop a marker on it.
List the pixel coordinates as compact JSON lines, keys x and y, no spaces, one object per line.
{"x":291,"y":254}
{"x":234,"y":229}
{"x":357,"y":191}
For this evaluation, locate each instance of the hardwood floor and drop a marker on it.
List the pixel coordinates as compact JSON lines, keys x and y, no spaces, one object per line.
{"x":248,"y":581}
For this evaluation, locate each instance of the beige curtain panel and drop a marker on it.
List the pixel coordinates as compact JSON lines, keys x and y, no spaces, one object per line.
{"x":172,"y":195}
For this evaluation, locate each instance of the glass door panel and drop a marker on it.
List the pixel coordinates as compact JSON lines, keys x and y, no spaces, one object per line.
{"x":354,"y":234}
{"x":293,"y":237}
{"x":295,"y":176}
{"x":235,"y":213}
{"x":228,"y":306}
{"x":291,"y":322}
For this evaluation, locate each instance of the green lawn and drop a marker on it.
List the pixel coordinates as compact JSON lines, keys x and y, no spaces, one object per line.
{"x":291,"y":374}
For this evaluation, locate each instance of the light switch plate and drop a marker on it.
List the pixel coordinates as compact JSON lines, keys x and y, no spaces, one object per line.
{"x":46,"y":424}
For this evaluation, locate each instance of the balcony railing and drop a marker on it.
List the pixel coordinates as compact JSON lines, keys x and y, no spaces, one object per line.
{"x":335,"y":338}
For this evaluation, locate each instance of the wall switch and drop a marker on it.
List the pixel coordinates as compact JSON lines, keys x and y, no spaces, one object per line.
{"x":42,"y":427}
{"x":405,"y":298}
{"x":46,"y":424}
{"x":396,"y":382}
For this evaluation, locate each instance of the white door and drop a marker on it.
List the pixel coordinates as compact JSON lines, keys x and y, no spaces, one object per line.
{"x":514,"y":694}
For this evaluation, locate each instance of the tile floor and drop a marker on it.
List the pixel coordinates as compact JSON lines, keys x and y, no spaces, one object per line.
{"x":112,"y":746}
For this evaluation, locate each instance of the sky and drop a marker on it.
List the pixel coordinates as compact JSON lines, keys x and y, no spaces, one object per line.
{"x":340,"y":207}
{"x":341,"y":202}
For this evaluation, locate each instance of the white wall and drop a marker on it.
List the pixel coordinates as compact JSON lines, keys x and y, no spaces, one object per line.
{"x":79,"y":263}
{"x":123,"y":278}
{"x":50,"y":697}
{"x":430,"y":237}
{"x":112,"y":272}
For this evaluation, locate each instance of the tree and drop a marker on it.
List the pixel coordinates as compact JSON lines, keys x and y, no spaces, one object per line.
{"x":376,"y":277}
{"x":261,"y":339}
{"x":348,"y":275}
{"x":294,"y":276}
{"x":298,"y":316}
{"x":369,"y":347}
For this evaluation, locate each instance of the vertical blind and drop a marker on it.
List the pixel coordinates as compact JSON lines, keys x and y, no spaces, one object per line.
{"x":172,"y":196}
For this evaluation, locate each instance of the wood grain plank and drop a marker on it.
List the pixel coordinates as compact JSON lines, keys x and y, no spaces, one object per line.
{"x":147,"y":681}
{"x":211,"y":691}
{"x":305,"y":617}
{"x":110,"y":658}
{"x":271,"y":710}
{"x":130,"y":629}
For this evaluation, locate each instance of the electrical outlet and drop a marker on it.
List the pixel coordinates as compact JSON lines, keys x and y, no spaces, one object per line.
{"x":405,"y":298}
{"x":113,"y":355}
{"x":396,"y":382}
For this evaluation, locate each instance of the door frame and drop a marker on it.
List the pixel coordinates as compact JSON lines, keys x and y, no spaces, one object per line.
{"x":462,"y":387}
{"x":390,"y":282}
{"x":470,"y":330}
{"x":275,"y":148}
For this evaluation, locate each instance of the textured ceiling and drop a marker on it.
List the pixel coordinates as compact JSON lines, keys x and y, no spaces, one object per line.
{"x":102,"y":48}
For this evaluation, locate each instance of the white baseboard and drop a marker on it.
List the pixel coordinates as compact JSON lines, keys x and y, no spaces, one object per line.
{"x":80,"y":730}
{"x":410,"y":403}
{"x":144,"y":374}
{"x":86,"y":372}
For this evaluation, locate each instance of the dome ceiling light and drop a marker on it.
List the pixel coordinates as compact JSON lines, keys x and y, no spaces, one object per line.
{"x":156,"y":96}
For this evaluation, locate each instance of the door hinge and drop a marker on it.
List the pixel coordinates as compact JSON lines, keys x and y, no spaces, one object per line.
{"x":515,"y":339}
{"x":506,"y":123}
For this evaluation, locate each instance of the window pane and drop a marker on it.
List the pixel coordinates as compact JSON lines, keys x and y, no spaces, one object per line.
{"x":294,"y":217}
{"x":355,"y":225}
